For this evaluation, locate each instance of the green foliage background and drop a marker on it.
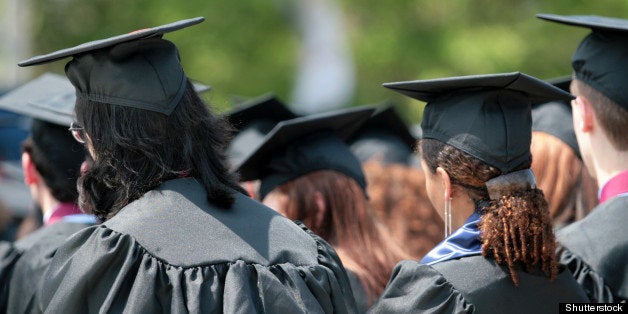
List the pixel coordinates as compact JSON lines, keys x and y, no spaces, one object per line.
{"x":248,"y":48}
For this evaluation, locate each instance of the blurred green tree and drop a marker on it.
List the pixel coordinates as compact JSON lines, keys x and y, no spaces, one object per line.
{"x":247,"y":48}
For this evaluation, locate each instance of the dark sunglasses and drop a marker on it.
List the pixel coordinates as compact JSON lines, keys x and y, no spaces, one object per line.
{"x":78,"y":132}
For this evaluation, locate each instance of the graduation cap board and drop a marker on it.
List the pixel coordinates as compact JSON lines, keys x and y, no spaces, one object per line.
{"x":305,"y":144}
{"x":385,"y":137}
{"x":252,"y":120}
{"x":49,"y":97}
{"x":487,"y":116}
{"x":600,"y":59}
{"x":138,"y":69}
{"x":555,"y":118}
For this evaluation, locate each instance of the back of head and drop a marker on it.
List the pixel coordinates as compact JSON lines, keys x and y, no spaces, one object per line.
{"x":57,"y":157}
{"x":478,"y":129}
{"x":600,"y":71}
{"x":349,"y":224}
{"x":398,"y":196}
{"x":136,"y":150}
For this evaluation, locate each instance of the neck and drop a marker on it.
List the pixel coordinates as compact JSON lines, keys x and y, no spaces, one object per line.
{"x":45,"y":200}
{"x":608,"y":162}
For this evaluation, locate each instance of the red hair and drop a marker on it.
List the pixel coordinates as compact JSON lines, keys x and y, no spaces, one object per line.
{"x":362,"y":242}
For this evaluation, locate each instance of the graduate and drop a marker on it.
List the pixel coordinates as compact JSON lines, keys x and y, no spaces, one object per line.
{"x":498,"y":254}
{"x":570,"y":191}
{"x":396,"y":183}
{"x":178,"y":233}
{"x":308,"y":173}
{"x":596,"y":248}
{"x":51,"y":162}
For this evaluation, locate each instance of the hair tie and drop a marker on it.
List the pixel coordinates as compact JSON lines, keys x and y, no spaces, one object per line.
{"x":518,"y":180}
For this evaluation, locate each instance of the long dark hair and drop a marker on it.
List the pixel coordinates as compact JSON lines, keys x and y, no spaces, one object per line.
{"x":136,"y":150}
{"x":516,"y":229}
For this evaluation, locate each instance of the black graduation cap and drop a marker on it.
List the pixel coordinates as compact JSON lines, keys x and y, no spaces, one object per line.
{"x":385,"y":137}
{"x":305,"y":144}
{"x":600,"y":59}
{"x":138,"y":69}
{"x":49,"y":100}
{"x":50,"y":97}
{"x":487,"y":116}
{"x":252,"y":120}
{"x":554,"y":117}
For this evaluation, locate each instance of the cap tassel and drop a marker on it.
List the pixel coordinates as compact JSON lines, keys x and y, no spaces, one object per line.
{"x":518,"y":180}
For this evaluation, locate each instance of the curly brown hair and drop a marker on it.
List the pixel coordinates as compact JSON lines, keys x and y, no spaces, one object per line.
{"x":516,"y":229}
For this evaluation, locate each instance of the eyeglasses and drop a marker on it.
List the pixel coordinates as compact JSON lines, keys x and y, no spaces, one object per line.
{"x":78,"y":132}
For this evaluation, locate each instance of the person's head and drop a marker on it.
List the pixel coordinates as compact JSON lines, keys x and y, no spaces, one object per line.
{"x":397,"y":194}
{"x":135,"y":150}
{"x":600,"y":74}
{"x":475,"y":151}
{"x":141,"y":120}
{"x":570,"y":191}
{"x":308,"y":173}
{"x":53,"y":158}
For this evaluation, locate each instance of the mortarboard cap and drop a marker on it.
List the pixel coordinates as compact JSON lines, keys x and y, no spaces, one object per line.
{"x":50,"y":97}
{"x":600,"y":59}
{"x":486,"y":116}
{"x":386,"y":137}
{"x":305,"y":144}
{"x":555,"y":118}
{"x":49,"y":100}
{"x":138,"y":69}
{"x":252,"y":120}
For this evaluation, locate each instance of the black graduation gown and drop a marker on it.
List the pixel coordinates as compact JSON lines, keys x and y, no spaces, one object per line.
{"x":595,"y":249}
{"x":172,"y":252}
{"x":25,"y":263}
{"x":473,"y":284}
{"x":359,"y":292}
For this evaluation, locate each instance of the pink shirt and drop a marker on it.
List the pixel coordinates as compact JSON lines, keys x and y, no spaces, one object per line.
{"x":64,"y":209}
{"x":616,"y":186}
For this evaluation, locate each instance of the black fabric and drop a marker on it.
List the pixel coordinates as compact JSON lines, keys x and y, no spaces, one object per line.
{"x":601,"y":56}
{"x":32,"y":255}
{"x":301,"y":145}
{"x":473,"y":284}
{"x":419,"y":288}
{"x":359,"y":292}
{"x":384,"y":137}
{"x":145,"y":74}
{"x":252,"y":120}
{"x":488,"y":286}
{"x":486,"y":116}
{"x":49,"y":97}
{"x":87,"y":47}
{"x":595,"y":249}
{"x":319,"y":151}
{"x":172,"y":252}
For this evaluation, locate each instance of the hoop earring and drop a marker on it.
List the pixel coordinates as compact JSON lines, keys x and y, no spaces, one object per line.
{"x":447,"y":216}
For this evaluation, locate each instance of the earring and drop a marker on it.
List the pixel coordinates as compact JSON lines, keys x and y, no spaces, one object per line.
{"x":447,"y":216}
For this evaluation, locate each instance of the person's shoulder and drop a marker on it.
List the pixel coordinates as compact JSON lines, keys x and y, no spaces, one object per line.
{"x":50,"y":236}
{"x":416,"y":287}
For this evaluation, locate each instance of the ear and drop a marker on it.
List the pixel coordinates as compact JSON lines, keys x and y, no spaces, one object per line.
{"x":445,"y":182}
{"x":31,"y":176}
{"x":322,"y":209}
{"x":584,"y":116}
